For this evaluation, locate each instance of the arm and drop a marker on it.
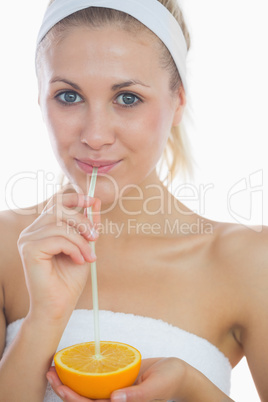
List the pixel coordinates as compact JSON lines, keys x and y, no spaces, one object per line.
{"x":255,"y":346}
{"x":23,"y":367}
{"x":55,"y":258}
{"x":245,"y":255}
{"x":254,"y":334}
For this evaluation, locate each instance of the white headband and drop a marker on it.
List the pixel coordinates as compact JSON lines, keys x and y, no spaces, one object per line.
{"x":150,"y":13}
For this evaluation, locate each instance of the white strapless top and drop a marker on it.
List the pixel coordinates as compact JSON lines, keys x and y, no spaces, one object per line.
{"x":153,"y":338}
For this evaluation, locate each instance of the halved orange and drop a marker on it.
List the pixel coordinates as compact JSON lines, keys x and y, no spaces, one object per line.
{"x":94,"y":376}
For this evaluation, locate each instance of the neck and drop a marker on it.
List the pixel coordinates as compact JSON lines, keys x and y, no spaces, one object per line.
{"x":144,"y":209}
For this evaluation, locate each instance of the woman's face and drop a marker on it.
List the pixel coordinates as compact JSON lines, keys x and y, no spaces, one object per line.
{"x":107,"y":103}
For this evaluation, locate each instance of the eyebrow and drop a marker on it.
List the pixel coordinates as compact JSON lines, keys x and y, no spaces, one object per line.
{"x":72,"y":84}
{"x":115,"y":87}
{"x":129,"y":83}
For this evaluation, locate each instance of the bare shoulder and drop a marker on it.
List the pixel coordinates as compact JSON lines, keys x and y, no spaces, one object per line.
{"x":242,"y":249}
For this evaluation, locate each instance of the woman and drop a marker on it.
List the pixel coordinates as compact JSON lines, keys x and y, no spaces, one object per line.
{"x":110,"y":94}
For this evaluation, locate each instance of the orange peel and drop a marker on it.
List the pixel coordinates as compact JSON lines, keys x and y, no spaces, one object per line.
{"x":96,"y":377}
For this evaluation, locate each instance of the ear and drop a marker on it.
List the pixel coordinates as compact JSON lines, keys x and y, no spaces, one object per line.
{"x":180,"y":103}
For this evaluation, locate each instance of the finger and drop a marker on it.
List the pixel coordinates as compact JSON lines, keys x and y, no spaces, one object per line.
{"x":79,"y":253}
{"x":79,"y":222}
{"x":82,"y":224}
{"x":78,"y":235}
{"x":45,"y":249}
{"x":65,"y":393}
{"x":70,"y":200}
{"x":82,"y":221}
{"x":53,"y":378}
{"x":140,"y":393}
{"x":63,"y":209}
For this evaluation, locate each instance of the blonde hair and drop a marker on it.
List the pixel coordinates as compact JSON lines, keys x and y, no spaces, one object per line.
{"x":176,"y":156}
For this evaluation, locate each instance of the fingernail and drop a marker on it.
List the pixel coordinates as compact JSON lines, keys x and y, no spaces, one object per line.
{"x":119,"y":397}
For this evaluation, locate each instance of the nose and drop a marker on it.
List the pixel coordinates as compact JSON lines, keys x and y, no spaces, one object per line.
{"x":97,"y":128}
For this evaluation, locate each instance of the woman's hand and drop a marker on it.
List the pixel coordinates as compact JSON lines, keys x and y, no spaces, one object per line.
{"x":160,"y":379}
{"x":157,"y":380}
{"x":55,"y":252}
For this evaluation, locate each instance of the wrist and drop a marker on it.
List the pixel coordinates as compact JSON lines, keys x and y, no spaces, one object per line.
{"x":49,"y":315}
{"x":42,"y":328}
{"x":196,"y":387}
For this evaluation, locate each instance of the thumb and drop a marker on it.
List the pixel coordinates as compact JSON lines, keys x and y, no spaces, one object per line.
{"x":145,"y":391}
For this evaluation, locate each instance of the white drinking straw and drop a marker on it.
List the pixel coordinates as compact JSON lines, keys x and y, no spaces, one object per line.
{"x":94,"y":271}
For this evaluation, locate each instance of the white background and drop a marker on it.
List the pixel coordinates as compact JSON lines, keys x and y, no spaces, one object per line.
{"x":228,"y":86}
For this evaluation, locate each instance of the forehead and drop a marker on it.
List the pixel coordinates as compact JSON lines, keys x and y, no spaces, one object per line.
{"x":103,"y":52}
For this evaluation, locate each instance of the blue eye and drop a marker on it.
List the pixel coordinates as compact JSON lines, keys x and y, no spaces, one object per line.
{"x":69,"y":97}
{"x":127,"y":99}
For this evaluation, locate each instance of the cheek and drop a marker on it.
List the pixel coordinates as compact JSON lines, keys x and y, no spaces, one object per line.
{"x":157,"y":127}
{"x":60,"y":127}
{"x":147,"y":137}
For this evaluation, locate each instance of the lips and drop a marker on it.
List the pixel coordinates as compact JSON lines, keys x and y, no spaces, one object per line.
{"x":104,"y":166}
